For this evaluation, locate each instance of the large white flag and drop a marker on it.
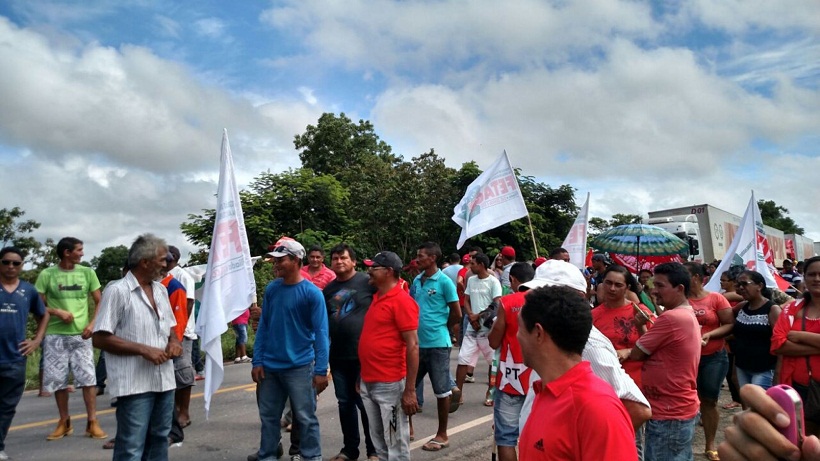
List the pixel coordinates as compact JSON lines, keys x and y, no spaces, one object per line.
{"x":576,"y":241}
{"x":749,"y":248}
{"x":493,"y":199}
{"x":229,"y":285}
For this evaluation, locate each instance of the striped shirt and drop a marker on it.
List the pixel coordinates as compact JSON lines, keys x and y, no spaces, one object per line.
{"x":126,"y":312}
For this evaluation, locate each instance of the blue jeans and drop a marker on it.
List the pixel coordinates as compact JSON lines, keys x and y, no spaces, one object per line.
{"x":506,"y":413}
{"x":435,"y":361}
{"x":669,"y":440}
{"x":143,"y":425}
{"x":274,"y":390}
{"x":345,"y":374}
{"x":711,"y":373}
{"x":761,"y":378}
{"x":12,"y":385}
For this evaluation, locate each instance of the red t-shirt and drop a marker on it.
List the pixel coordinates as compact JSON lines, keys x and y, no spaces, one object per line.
{"x":462,"y":273}
{"x":321,"y":278}
{"x":382,"y":351}
{"x":669,"y":375}
{"x":618,"y":325}
{"x":577,"y":417}
{"x":706,"y":310}
{"x":513,"y":376}
{"x":794,"y":367}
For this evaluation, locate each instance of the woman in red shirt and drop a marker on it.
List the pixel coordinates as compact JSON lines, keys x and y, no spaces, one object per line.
{"x":716,"y":320}
{"x":796,"y":337}
{"x":617,"y":320}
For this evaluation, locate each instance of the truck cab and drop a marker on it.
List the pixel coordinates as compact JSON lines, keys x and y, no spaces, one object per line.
{"x":685,"y":227}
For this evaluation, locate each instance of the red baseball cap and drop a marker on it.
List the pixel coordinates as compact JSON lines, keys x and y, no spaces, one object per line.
{"x":508,"y":252}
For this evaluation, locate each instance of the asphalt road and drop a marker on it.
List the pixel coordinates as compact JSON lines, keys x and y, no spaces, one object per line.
{"x":233,"y":430}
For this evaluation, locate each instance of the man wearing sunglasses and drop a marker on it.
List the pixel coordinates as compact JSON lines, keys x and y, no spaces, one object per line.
{"x":18,"y":299}
{"x":290,"y":354}
{"x":65,"y":289}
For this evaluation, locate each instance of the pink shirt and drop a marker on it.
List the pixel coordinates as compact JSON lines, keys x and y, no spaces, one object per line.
{"x":669,"y":374}
{"x":706,"y":310}
{"x":321,"y":278}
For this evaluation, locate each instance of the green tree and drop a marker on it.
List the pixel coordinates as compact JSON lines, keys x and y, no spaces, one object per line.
{"x":108,"y":265}
{"x":776,"y":216}
{"x":598,"y":225}
{"x":14,"y":231}
{"x":275,"y":205}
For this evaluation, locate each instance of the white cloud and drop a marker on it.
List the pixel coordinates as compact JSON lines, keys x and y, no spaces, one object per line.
{"x":213,"y":28}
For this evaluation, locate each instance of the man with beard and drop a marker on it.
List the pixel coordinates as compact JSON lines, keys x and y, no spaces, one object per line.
{"x":135,"y":328}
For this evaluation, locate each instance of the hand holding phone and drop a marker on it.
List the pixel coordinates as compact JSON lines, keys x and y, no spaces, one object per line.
{"x":792,"y":404}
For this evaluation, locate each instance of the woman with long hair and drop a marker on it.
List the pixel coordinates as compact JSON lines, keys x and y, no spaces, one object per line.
{"x":754,"y":320}
{"x":716,"y":320}
{"x":796,"y":338}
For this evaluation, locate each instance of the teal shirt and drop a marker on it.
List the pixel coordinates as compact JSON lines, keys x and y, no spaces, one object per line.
{"x":433,"y":297}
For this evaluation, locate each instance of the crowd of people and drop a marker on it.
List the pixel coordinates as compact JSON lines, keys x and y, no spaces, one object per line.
{"x":591,"y":363}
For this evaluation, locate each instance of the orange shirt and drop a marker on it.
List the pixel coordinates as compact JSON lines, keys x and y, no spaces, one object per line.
{"x":382,"y":350}
{"x":794,"y":367}
{"x":706,"y":310}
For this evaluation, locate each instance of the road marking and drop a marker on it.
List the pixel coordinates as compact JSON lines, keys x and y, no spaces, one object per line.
{"x":453,"y":431}
{"x":81,"y":416}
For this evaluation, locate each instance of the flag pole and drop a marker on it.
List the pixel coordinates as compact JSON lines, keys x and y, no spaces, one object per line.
{"x":532,"y":234}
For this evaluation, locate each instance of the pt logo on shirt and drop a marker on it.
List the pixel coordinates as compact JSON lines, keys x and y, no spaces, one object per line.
{"x":539,"y":445}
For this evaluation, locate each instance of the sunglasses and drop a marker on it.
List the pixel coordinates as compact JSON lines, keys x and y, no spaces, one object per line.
{"x":7,"y":262}
{"x":743,"y":283}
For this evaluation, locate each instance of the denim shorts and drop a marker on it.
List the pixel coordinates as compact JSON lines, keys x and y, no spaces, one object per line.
{"x":241,"y":334}
{"x":758,"y":378}
{"x":506,"y":411}
{"x":435,"y":361}
{"x":669,"y":440}
{"x":711,"y":373}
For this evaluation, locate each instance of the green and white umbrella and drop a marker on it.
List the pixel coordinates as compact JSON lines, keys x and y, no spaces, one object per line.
{"x":639,"y":240}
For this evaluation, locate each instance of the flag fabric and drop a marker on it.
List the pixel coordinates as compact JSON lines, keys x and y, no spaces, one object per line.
{"x":229,"y":284}
{"x":576,"y":241}
{"x":750,"y":249}
{"x":493,"y":199}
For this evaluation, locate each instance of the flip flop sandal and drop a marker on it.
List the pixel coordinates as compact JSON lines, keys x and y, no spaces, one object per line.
{"x":109,"y":445}
{"x":435,"y":445}
{"x":712,"y":455}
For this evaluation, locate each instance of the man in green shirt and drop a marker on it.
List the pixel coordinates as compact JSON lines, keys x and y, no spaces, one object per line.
{"x":67,"y":346}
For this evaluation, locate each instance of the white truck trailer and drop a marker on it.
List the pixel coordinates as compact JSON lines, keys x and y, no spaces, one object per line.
{"x":710,"y":230}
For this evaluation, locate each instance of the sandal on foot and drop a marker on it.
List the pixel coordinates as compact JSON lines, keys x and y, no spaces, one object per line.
{"x":712,"y":455}
{"x":435,"y":445}
{"x":731,"y":406}
{"x":109,"y":445}
{"x":455,"y":400}
{"x":340,"y":457}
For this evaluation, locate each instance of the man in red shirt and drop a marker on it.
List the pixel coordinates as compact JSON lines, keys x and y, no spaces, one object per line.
{"x":389,"y":354}
{"x":513,"y":376}
{"x":576,"y":415}
{"x":316,"y":271}
{"x":671,"y":351}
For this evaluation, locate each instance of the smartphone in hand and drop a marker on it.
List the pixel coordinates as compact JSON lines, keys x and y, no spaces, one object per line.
{"x":792,"y":404}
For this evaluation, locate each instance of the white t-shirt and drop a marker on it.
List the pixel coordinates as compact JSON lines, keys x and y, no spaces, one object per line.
{"x":481,"y":293}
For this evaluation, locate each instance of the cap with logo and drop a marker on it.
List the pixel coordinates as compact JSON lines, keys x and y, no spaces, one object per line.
{"x":286,"y":246}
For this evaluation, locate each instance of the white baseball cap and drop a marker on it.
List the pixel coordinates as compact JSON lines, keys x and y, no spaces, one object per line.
{"x":555,"y":272}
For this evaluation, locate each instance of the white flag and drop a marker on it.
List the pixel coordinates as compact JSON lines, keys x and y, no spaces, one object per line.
{"x":493,"y":199}
{"x":576,"y":241}
{"x":229,"y":285}
{"x":749,"y":248}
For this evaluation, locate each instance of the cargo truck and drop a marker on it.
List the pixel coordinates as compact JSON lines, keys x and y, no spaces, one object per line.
{"x":709,"y":231}
{"x":798,"y":247}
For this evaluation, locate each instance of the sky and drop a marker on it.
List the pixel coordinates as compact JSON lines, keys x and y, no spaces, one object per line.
{"x":112,"y":111}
